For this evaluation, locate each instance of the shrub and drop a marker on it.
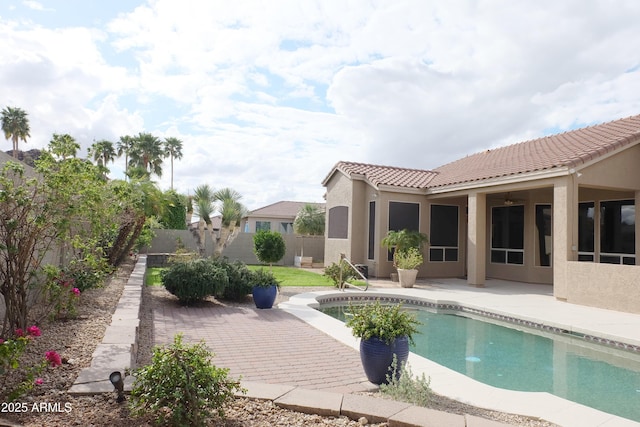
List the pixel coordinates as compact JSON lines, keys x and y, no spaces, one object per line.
{"x":239,"y":285}
{"x":195,"y":280}
{"x":333,"y":272}
{"x":405,"y":387}
{"x":268,"y":246}
{"x":263,"y":278}
{"x":181,"y":387}
{"x":385,"y":322}
{"x":408,"y":259}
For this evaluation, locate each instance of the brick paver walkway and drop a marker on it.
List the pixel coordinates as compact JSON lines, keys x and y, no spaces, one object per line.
{"x":269,"y":346}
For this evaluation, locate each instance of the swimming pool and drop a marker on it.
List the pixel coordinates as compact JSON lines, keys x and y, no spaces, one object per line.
{"x":526,"y":360}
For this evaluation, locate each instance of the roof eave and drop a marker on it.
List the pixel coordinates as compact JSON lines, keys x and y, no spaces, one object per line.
{"x":503,"y":180}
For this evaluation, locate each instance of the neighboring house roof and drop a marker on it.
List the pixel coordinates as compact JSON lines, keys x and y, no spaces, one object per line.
{"x":282,"y":209}
{"x":565,"y":150}
{"x":28,"y":170}
{"x":568,"y":150}
{"x":384,"y":175}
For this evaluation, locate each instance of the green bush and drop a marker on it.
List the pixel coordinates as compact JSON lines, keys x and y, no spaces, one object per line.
{"x":195,"y":280}
{"x":181,"y":387}
{"x":239,"y":285}
{"x":406,"y":387}
{"x":263,"y":278}
{"x":268,"y":246}
{"x":333,"y":272}
{"x":382,"y":321}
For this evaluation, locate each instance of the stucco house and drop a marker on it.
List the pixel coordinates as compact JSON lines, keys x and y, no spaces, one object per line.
{"x":556,"y":210}
{"x":278,"y":216}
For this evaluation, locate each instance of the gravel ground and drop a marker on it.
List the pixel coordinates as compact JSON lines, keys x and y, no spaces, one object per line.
{"x":76,"y":339}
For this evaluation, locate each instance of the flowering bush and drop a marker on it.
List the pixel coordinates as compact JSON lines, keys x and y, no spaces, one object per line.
{"x":60,"y":293}
{"x":10,"y":352}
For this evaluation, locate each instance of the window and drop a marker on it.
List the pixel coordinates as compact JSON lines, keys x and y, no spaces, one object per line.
{"x":372,"y":231}
{"x":263,"y":225}
{"x":586,"y":228}
{"x":443,"y":233}
{"x":403,"y":215}
{"x":286,"y":228}
{"x":618,"y":232}
{"x":338,"y":222}
{"x":543,"y":226}
{"x":507,"y":235}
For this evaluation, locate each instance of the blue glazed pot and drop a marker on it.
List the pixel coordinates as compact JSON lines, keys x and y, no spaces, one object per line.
{"x":264,"y":297}
{"x":377,"y":357}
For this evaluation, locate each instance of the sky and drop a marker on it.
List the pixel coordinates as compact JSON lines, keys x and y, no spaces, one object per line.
{"x":267,"y":96}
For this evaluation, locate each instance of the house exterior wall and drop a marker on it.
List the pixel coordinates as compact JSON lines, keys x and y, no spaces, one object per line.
{"x":249,"y":226}
{"x":339,"y":193}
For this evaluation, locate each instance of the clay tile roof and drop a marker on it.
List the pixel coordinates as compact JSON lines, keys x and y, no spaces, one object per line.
{"x":568,"y":149}
{"x":387,"y":175}
{"x":282,"y":209}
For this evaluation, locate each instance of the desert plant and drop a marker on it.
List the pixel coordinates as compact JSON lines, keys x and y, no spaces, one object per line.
{"x":195,"y":280}
{"x":333,"y":272}
{"x":403,"y":386}
{"x":240,"y":279}
{"x":264,"y":278}
{"x":408,"y":259}
{"x":268,"y":246}
{"x":385,"y":322}
{"x":181,"y":387}
{"x":398,"y":241}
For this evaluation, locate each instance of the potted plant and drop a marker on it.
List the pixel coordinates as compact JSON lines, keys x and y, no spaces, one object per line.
{"x":400,"y":242}
{"x":385,"y":331}
{"x":264,"y":288}
{"x":407,"y":263}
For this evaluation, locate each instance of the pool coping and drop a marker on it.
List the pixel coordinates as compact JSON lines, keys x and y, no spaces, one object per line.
{"x":457,"y":386}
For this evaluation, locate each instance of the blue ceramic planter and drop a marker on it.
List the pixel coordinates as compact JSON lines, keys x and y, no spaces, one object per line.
{"x":377,"y":357}
{"x":264,"y":297}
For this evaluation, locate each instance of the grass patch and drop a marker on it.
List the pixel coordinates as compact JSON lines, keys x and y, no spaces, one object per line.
{"x":153,"y":276}
{"x":292,"y":276}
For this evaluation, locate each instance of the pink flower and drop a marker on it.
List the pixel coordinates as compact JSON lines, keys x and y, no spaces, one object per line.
{"x":34,"y":331}
{"x":19,"y":332}
{"x":38,"y":381}
{"x":1,"y":340}
{"x":53,"y":358}
{"x":76,"y":291}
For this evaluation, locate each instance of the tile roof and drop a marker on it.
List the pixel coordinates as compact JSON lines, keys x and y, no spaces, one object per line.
{"x":281,"y":209}
{"x":386,"y":175}
{"x":568,"y":149}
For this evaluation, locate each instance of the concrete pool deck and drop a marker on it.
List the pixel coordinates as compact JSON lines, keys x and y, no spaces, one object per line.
{"x":529,"y":302}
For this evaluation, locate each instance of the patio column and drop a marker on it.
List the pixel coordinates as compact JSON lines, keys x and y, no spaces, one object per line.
{"x":477,"y":239}
{"x":565,"y":232}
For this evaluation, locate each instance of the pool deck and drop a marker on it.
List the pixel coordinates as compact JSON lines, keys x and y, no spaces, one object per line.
{"x":528,"y":302}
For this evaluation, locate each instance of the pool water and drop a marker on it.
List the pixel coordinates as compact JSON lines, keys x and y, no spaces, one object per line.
{"x":602,"y":378}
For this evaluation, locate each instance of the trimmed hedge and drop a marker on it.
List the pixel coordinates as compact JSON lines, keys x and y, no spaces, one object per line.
{"x":195,"y":280}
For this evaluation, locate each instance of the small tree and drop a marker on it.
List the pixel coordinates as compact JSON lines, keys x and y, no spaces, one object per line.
{"x":268,"y":246}
{"x":310,"y":222}
{"x":398,"y":241}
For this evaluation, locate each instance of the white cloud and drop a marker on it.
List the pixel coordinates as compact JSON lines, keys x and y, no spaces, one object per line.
{"x":267,"y":96}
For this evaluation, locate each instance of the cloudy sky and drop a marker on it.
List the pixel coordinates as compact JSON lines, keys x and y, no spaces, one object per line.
{"x":268,"y":95}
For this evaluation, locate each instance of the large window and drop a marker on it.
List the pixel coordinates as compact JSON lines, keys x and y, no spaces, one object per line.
{"x":618,"y":232}
{"x":403,"y":215}
{"x":338,"y":222}
{"x":443,"y":233}
{"x":263,"y":225}
{"x":586,"y":231}
{"x":507,"y":235}
{"x":543,"y":227}
{"x":286,"y":228}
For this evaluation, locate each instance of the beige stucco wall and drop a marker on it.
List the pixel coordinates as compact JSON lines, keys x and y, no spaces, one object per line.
{"x":619,"y":171}
{"x":339,"y":193}
{"x":609,"y":286}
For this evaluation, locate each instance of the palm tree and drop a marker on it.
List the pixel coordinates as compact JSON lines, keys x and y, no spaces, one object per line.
{"x":124,"y":146}
{"x":204,"y":208}
{"x":310,"y":222}
{"x":102,"y":153}
{"x":64,"y":146}
{"x":147,"y":153}
{"x":173,"y":148}
{"x":232,"y":212}
{"x":15,"y":125}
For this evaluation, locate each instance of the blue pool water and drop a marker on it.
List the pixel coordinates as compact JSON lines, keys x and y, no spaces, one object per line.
{"x":602,"y":378}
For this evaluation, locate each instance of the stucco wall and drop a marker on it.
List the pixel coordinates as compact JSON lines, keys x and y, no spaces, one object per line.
{"x":339,"y":193}
{"x":614,"y":287}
